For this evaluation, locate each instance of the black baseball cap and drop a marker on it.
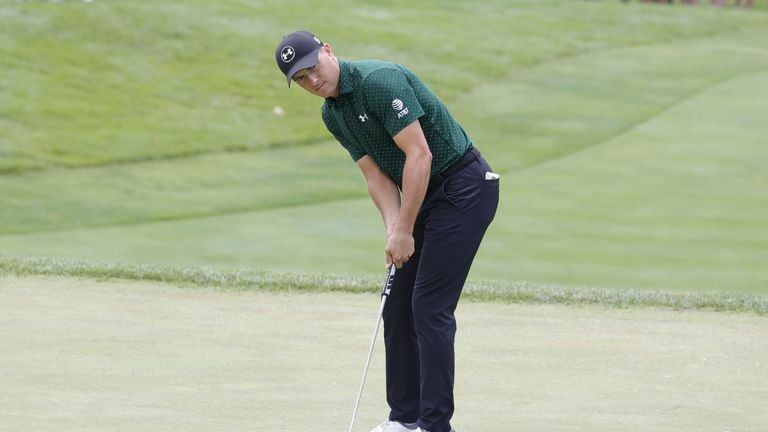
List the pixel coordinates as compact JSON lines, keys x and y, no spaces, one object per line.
{"x":297,"y":51}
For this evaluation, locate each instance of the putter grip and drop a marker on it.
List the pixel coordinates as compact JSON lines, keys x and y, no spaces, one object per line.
{"x":388,"y":280}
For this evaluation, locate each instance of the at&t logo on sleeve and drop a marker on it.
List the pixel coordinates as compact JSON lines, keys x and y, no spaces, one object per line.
{"x":398,"y":105}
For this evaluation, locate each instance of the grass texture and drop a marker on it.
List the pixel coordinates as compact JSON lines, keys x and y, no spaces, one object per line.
{"x":117,"y":355}
{"x":497,"y":292}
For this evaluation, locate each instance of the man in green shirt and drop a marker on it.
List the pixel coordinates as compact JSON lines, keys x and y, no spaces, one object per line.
{"x":437,"y":196}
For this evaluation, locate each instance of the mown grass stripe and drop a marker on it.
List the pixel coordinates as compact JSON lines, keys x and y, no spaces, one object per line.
{"x":498,"y":292}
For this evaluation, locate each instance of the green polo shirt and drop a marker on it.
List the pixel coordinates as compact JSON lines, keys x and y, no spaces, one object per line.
{"x":379,"y":99}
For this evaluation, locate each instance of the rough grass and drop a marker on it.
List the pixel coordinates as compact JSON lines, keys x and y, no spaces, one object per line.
{"x":502,"y":292}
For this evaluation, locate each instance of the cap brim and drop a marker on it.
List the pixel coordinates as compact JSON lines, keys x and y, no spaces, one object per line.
{"x":308,"y":60}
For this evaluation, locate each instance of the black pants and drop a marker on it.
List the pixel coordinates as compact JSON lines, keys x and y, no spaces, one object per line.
{"x":419,"y":322}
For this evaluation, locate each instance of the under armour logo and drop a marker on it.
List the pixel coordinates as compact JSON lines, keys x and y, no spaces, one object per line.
{"x":287,"y":54}
{"x":363,"y":117}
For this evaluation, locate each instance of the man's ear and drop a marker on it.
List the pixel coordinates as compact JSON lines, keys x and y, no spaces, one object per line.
{"x":328,"y":49}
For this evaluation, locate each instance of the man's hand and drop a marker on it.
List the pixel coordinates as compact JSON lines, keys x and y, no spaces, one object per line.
{"x":399,"y":249}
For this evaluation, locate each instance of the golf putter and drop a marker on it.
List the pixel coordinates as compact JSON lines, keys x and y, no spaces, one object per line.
{"x":384,"y":294}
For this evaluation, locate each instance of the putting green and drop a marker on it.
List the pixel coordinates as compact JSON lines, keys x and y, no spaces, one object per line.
{"x":88,"y":355}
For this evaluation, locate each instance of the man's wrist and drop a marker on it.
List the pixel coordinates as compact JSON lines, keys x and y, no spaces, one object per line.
{"x":404,"y":229}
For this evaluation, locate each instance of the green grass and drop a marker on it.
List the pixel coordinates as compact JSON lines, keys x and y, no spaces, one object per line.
{"x":97,"y":355}
{"x":629,"y":137}
{"x":507,"y":292}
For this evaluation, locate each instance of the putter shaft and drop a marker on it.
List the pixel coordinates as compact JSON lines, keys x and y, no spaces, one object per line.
{"x":384,"y":294}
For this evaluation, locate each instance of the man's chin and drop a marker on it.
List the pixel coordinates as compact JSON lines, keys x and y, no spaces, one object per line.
{"x":328,"y":91}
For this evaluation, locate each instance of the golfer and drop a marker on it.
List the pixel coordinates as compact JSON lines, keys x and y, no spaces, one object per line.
{"x":437,"y":196}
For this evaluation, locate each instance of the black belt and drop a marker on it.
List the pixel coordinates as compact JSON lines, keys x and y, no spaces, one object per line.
{"x":436,"y":180}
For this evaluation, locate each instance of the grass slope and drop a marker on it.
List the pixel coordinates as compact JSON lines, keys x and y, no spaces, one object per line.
{"x":121,"y":81}
{"x":144,"y":132}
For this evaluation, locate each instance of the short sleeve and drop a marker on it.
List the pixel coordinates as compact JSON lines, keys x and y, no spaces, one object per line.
{"x":390,"y":97}
{"x":355,"y":152}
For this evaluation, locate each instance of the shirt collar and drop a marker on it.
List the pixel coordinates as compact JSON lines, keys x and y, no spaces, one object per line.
{"x":345,"y":77}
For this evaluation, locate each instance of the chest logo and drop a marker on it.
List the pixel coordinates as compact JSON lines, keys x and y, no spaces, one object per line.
{"x":363,"y":117}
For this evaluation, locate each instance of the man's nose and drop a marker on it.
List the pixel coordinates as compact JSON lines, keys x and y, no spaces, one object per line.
{"x":312,"y":77}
